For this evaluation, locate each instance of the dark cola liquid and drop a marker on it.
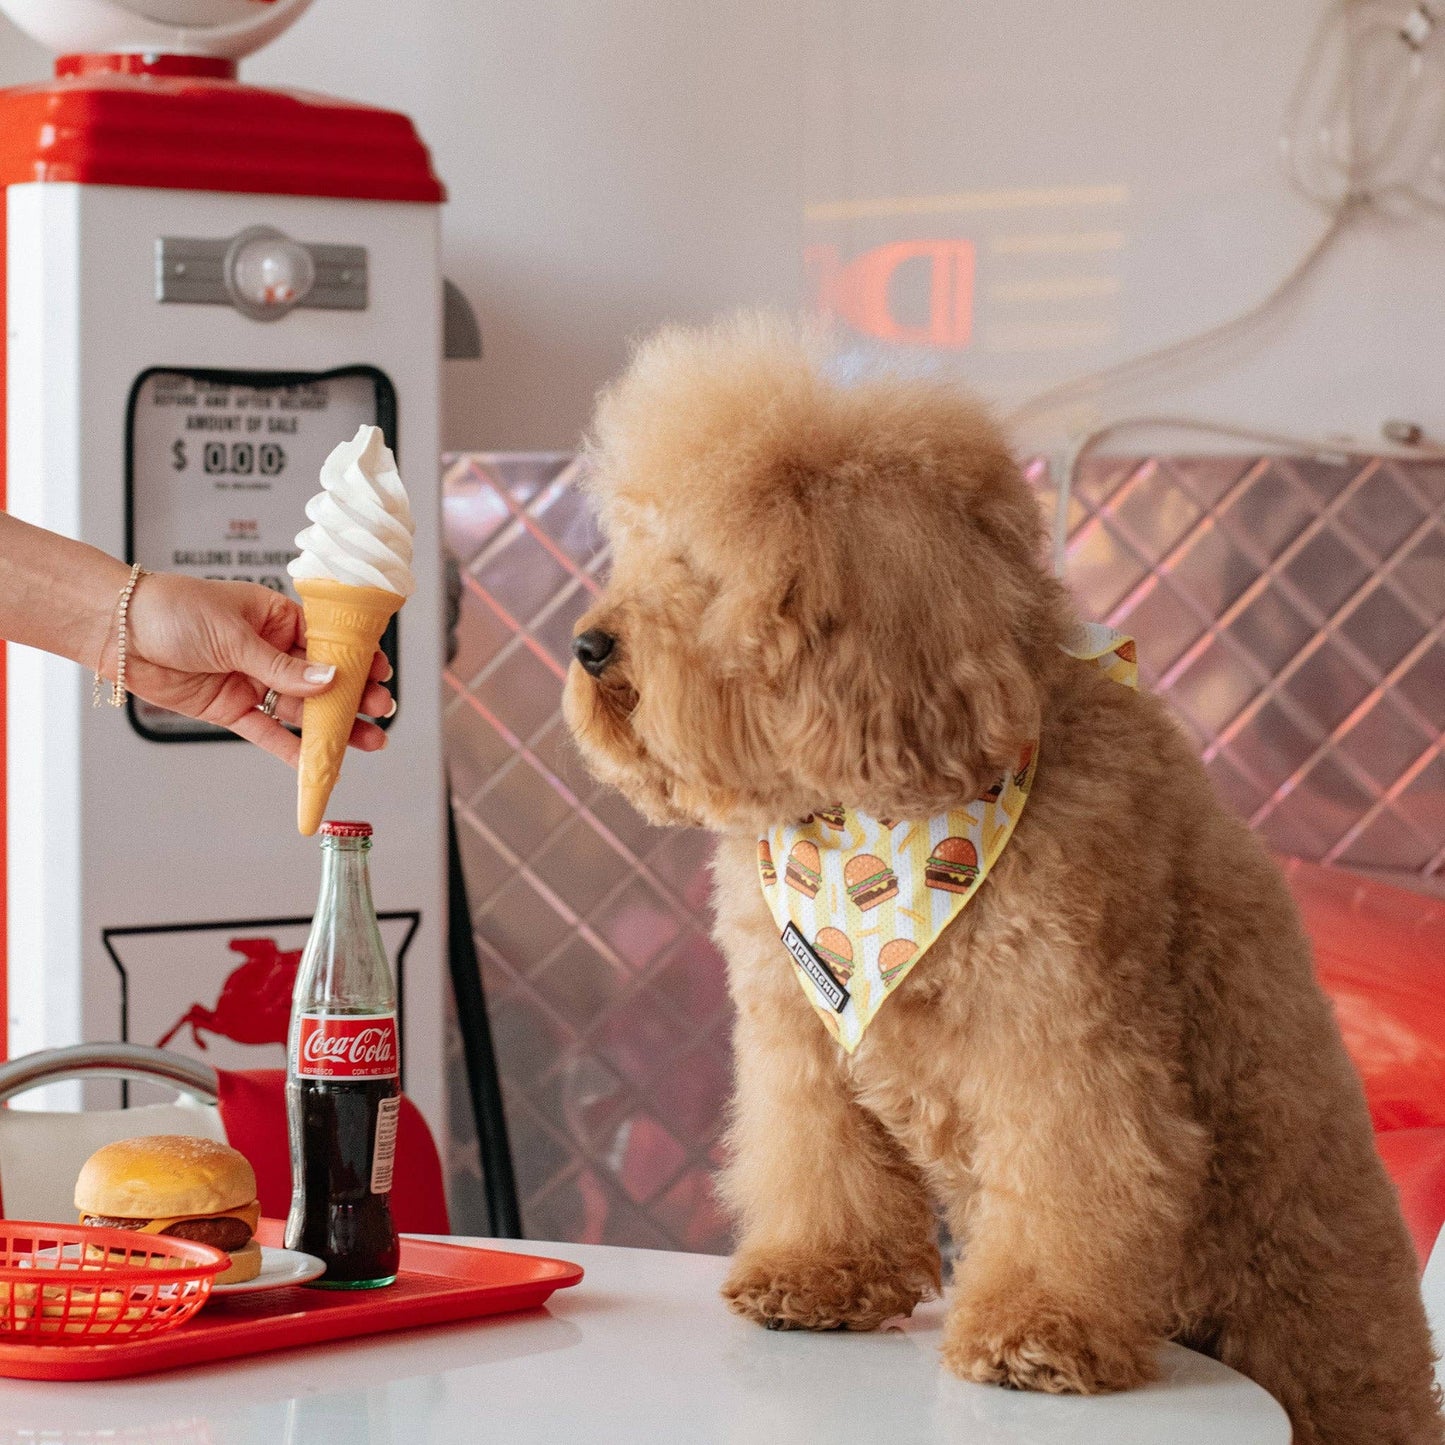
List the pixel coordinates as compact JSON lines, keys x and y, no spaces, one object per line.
{"x":334,"y":1214}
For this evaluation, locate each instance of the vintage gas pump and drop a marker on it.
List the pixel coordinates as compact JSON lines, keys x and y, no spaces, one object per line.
{"x":207,"y":285}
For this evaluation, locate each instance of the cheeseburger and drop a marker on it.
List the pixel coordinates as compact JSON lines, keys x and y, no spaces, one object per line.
{"x":172,"y":1184}
{"x":952,"y":866}
{"x":833,"y":947}
{"x":870,"y":881}
{"x":804,"y":869}
{"x":894,"y":958}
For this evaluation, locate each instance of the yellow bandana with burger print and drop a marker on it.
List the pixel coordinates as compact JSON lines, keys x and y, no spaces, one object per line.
{"x":861,"y":899}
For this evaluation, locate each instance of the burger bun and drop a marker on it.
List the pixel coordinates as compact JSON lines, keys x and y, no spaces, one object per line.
{"x":163,"y":1177}
{"x":245,"y":1265}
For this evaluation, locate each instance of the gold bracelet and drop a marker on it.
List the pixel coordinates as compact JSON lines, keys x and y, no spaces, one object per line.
{"x":122,"y":616}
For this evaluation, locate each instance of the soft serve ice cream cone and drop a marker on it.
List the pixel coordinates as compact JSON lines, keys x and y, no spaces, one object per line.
{"x":353,"y":574}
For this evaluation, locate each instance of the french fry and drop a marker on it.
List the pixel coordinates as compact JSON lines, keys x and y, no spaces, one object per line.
{"x":85,"y":1308}
{"x":17,"y":1304}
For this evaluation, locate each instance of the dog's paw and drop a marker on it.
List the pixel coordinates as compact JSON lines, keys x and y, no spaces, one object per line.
{"x":1034,"y":1344}
{"x":790,"y":1291}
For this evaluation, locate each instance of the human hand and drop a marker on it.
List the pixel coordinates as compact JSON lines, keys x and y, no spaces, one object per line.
{"x":211,"y":650}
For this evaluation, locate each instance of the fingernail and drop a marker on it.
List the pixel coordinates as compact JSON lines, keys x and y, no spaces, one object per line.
{"x":317,"y":673}
{"x":391,"y":711}
{"x":390,"y":673}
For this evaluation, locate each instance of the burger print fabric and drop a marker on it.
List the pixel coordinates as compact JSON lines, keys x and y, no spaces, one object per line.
{"x":868,"y":898}
{"x":953,"y":865}
{"x":803,"y":866}
{"x":860,"y":899}
{"x":1110,"y":650}
{"x":870,"y":881}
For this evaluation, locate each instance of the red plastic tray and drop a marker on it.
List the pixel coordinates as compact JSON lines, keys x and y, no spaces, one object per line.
{"x":438,"y":1283}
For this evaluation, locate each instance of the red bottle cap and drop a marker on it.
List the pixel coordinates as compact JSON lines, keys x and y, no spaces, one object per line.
{"x":330,"y":829}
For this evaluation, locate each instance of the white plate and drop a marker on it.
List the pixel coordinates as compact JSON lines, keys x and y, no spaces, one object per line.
{"x":279,"y":1269}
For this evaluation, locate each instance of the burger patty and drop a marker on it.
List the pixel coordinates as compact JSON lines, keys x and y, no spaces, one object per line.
{"x":951,"y":875}
{"x":873,"y":891}
{"x":226,"y":1233}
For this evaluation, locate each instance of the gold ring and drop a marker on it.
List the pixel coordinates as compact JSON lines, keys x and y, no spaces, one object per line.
{"x":268,"y":704}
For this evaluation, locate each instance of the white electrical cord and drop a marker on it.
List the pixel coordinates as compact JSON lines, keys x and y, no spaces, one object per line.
{"x":1368,"y":113}
{"x":1140,"y":366}
{"x":1365,"y":128}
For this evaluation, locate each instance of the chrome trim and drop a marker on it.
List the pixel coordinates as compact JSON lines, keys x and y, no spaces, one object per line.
{"x":109,"y":1061}
{"x":192,"y":270}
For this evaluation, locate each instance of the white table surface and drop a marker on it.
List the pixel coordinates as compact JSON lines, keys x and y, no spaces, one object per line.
{"x":641,"y":1351}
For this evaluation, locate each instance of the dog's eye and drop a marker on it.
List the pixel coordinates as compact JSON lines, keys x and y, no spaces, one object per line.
{"x":680,"y":562}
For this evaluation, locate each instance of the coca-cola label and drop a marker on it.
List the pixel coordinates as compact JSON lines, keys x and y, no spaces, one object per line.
{"x":347,"y":1046}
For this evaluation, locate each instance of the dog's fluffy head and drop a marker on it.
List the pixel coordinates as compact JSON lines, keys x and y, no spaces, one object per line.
{"x":820,"y":592}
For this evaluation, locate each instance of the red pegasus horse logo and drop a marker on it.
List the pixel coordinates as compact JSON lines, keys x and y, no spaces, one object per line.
{"x":255,"y":1002}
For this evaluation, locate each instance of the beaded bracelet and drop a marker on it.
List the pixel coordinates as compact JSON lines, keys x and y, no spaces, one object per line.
{"x":122,"y":616}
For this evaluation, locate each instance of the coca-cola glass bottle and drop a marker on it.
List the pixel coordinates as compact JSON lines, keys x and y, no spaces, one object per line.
{"x":343,"y":1089}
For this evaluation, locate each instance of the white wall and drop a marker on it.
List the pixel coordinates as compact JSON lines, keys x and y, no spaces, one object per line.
{"x":616,"y":163}
{"x":1154,"y":128}
{"x":610,"y":165}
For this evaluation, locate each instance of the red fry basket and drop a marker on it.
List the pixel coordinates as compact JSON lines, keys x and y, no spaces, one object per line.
{"x":64,"y":1283}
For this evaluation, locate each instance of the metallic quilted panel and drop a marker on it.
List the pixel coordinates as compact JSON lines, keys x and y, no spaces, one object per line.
{"x":606,"y":995}
{"x":1293,"y":611}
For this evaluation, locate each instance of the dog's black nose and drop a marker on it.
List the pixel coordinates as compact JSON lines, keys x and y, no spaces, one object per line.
{"x":593,"y":649}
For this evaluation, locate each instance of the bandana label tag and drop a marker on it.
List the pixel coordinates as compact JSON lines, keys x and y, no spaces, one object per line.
{"x":821,"y":976}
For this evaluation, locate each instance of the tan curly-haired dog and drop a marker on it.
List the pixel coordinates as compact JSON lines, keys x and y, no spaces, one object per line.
{"x":1114,"y":1068}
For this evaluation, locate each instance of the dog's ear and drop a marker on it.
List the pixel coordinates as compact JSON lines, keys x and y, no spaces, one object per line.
{"x":896,"y":609}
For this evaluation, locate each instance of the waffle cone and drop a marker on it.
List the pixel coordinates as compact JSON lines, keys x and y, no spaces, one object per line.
{"x":343,"y":626}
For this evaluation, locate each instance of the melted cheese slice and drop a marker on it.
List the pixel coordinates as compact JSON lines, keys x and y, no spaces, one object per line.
{"x":250,"y":1213}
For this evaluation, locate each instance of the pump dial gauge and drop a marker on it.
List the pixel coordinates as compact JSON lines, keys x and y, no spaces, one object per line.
{"x":267,"y":273}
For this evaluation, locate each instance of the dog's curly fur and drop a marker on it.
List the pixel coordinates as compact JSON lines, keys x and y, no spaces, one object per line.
{"x":1114,"y":1068}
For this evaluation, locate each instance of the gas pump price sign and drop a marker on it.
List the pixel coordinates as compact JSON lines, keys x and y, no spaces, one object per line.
{"x":219,"y":468}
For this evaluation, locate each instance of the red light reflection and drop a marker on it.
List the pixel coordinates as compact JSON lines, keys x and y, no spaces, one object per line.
{"x":861,"y":291}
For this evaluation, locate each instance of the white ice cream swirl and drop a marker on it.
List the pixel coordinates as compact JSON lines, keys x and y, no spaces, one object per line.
{"x":361,"y":526}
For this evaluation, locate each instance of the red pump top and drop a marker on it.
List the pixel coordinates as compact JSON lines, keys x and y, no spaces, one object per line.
{"x":180,"y":123}
{"x":131,"y":62}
